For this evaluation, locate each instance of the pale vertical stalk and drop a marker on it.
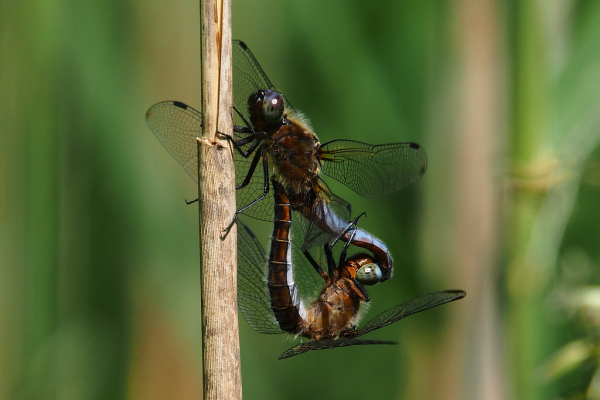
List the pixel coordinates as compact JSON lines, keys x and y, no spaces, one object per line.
{"x":476,"y":331}
{"x":461,"y":224}
{"x":216,"y":193}
{"x":528,"y":138}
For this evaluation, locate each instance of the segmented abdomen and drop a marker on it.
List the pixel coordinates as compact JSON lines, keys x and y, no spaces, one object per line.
{"x":286,"y":304}
{"x":324,"y":217}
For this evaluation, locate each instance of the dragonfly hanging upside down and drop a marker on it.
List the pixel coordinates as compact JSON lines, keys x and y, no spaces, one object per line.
{"x":271,"y":138}
{"x":331,"y":319}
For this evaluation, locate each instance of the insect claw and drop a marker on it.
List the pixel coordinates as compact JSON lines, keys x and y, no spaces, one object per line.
{"x":228,"y":227}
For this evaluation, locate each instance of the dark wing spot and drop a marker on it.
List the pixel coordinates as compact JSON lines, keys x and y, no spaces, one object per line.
{"x":243,"y":45}
{"x":414,"y":146}
{"x":180,"y":105}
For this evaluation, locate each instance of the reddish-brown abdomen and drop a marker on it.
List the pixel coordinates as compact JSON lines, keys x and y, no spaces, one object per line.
{"x":285,"y":301}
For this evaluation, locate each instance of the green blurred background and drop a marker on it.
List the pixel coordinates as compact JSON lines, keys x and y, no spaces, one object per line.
{"x":99,"y":279}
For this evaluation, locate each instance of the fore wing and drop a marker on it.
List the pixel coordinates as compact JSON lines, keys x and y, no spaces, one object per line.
{"x":177,"y":125}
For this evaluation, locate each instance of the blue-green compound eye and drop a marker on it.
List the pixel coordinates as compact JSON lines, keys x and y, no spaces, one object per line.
{"x":272,"y":107}
{"x":369,"y":274}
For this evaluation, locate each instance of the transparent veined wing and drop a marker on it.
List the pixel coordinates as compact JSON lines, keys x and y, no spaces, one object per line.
{"x":373,"y":170}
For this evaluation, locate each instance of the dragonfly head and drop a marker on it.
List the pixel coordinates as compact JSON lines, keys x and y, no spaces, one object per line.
{"x":369,"y":274}
{"x":364,"y":269}
{"x":272,"y":107}
{"x":266,"y":108}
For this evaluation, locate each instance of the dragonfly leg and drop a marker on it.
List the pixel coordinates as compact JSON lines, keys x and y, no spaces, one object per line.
{"x":360,"y":290}
{"x":257,"y":137}
{"x":253,"y":168}
{"x":259,"y":198}
{"x":244,"y":119}
{"x":315,"y":265}
{"x":328,"y":247}
{"x":246,"y":129}
{"x":352,"y":225}
{"x":330,"y":262}
{"x":237,"y":145}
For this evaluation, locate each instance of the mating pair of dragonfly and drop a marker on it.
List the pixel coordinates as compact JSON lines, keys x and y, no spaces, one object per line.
{"x":274,"y":146}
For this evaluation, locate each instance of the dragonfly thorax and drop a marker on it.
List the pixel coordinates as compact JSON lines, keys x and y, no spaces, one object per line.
{"x":335,"y":311}
{"x":293,"y":149}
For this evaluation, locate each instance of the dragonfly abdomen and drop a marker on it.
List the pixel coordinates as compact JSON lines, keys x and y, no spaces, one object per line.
{"x":328,"y":221}
{"x":286,"y":303}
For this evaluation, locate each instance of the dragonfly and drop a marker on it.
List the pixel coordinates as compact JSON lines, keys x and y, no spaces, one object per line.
{"x":297,"y":301}
{"x":271,"y":138}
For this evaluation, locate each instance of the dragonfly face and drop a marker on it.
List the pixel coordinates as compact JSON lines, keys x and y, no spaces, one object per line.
{"x":266,"y":110}
{"x":304,"y":300}
{"x":272,"y":139}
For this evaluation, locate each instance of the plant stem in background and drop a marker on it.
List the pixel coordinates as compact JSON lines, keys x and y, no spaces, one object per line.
{"x":527,"y":141}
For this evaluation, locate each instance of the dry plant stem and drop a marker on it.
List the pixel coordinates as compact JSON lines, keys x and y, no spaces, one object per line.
{"x":221,"y":354}
{"x":216,"y":194}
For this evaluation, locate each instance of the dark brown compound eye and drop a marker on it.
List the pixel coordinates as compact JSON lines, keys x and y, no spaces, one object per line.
{"x":272,"y":107}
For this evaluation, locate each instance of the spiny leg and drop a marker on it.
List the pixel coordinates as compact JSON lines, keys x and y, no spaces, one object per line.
{"x":252,"y":168}
{"x":328,"y":247}
{"x":238,"y":146}
{"x":315,"y":265}
{"x":259,"y":198}
{"x":246,"y":129}
{"x":330,"y":262}
{"x":352,"y":225}
{"x":248,"y":124}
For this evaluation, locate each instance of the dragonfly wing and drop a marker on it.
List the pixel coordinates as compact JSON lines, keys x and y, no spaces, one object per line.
{"x":253,"y":295}
{"x":327,"y":344}
{"x":315,"y":236}
{"x":177,"y":125}
{"x":410,"y":307}
{"x":373,"y":170}
{"x":309,"y":282}
{"x":248,"y":78}
{"x":262,"y":210}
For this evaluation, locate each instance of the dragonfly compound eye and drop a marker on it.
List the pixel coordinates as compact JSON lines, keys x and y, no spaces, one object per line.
{"x":369,"y":274}
{"x":272,"y":107}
